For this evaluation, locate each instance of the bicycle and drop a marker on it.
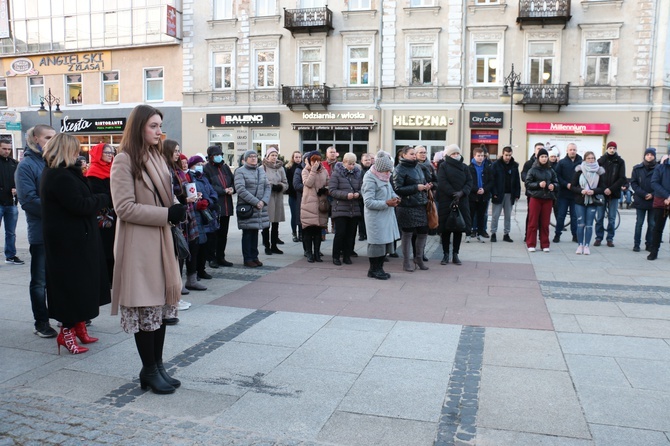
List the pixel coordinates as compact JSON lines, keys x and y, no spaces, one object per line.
{"x":566,"y":226}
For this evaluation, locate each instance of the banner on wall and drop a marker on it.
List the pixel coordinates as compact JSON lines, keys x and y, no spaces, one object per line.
{"x":587,"y":136}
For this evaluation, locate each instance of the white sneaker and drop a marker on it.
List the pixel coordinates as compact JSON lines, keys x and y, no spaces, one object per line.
{"x":182,"y":306}
{"x":580,"y":250}
{"x":480,"y":239}
{"x":587,"y":251}
{"x":531,"y":249}
{"x":545,"y":249}
{"x":467,"y":239}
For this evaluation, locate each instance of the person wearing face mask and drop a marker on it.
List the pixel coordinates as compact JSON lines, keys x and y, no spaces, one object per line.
{"x":221,"y":178}
{"x":28,"y":176}
{"x":205,"y":208}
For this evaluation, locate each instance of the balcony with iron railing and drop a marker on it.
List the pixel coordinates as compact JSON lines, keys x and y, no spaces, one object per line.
{"x":539,"y":96}
{"x":308,"y":20}
{"x":305,"y":95}
{"x":543,"y":12}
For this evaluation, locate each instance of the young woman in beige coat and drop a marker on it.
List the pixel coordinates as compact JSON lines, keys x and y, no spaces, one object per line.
{"x":147,"y":283}
{"x":276,"y":175}
{"x":313,"y":217}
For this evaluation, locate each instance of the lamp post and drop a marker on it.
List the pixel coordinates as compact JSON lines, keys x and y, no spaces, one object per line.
{"x":50,"y":100}
{"x":511,"y":93}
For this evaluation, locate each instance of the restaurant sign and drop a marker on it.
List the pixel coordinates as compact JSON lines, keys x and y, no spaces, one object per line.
{"x":102,"y":125}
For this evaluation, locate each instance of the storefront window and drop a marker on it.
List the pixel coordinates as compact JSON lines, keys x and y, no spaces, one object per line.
{"x":355,"y":141}
{"x":433,"y":140}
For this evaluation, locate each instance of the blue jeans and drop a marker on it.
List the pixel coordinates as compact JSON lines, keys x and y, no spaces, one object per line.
{"x":585,"y":216}
{"x":294,"y":205}
{"x":611,"y":207}
{"x":639,"y":221}
{"x":563,"y":205}
{"x":38,"y":283}
{"x":250,"y":244}
{"x":11,"y":215}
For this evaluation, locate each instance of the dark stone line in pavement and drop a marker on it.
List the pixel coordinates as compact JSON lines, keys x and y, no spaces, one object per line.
{"x":595,"y":292}
{"x":459,"y":413}
{"x":127,"y":393}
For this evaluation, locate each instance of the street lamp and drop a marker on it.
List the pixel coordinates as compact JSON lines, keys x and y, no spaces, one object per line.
{"x":50,"y":100}
{"x":511,"y":93}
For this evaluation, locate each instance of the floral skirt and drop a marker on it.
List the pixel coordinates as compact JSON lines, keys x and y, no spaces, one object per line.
{"x":134,"y":319}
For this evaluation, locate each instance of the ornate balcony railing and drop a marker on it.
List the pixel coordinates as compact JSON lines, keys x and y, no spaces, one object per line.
{"x":555,"y":95}
{"x":307,"y":95}
{"x":308,"y":20}
{"x":534,"y":12}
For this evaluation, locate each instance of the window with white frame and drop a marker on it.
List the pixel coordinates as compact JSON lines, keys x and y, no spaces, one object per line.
{"x":265,"y":68}
{"x":266,"y":7}
{"x":541,"y":62}
{"x":421,"y":59}
{"x":420,"y":3}
{"x":36,"y":90}
{"x":73,"y":88}
{"x":223,"y":9}
{"x":153,"y":84}
{"x":310,"y":66}
{"x":487,"y":2}
{"x":598,"y":62}
{"x":359,"y":5}
{"x":3,"y":92}
{"x":110,"y":87}
{"x":359,"y":66}
{"x":486,"y":61}
{"x":223,"y":70}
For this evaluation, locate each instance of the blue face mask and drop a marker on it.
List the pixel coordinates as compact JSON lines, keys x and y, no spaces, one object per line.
{"x":218,"y":159}
{"x":198,"y":169}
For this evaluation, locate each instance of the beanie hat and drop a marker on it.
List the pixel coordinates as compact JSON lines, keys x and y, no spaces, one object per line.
{"x":248,"y":153}
{"x":383,"y":162}
{"x":195,"y":159}
{"x":611,"y":144}
{"x":214,"y":150}
{"x":182,"y":157}
{"x":541,"y":152}
{"x":651,"y":150}
{"x":553,"y":152}
{"x":271,"y":150}
{"x":451,"y":149}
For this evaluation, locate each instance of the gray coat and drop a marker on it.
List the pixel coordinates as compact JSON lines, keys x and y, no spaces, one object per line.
{"x":276,"y":204}
{"x":252,"y":186}
{"x":380,"y":220}
{"x":341,"y":183}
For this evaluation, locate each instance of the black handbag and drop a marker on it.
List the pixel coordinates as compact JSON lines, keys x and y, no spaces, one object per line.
{"x":180,"y":244}
{"x":207,"y":216}
{"x":244,"y":211}
{"x":455,"y":221}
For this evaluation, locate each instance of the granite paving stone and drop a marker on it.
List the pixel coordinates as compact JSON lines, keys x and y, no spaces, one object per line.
{"x":535,"y":349}
{"x":416,"y":340}
{"x":604,"y":435}
{"x":646,"y":374}
{"x":596,"y":370}
{"x":614,"y":346}
{"x":496,"y":437}
{"x":631,"y":327}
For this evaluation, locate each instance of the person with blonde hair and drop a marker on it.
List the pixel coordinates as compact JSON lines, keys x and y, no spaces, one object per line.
{"x":72,"y":243}
{"x":344,"y":187}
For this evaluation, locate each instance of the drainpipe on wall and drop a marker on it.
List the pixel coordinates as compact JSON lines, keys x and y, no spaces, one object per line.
{"x":461,"y":126}
{"x":379,"y":72}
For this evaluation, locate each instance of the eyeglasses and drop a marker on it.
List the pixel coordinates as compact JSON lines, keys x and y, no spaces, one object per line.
{"x":108,"y":153}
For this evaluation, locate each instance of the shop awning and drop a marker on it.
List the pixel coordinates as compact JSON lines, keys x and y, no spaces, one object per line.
{"x":333,"y":126}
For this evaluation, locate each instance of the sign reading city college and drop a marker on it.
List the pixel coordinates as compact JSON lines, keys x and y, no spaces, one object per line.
{"x":58,"y":63}
{"x":420,"y":121}
{"x":492,"y":120}
{"x":567,"y":128}
{"x":243,"y":120}
{"x":102,"y":125}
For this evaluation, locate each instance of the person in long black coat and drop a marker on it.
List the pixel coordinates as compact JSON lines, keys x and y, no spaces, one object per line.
{"x":454,"y":182}
{"x":76,"y":271}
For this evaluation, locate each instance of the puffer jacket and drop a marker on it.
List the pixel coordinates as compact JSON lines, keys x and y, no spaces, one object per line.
{"x":660,"y":181}
{"x":615,"y":173}
{"x":576,"y":188}
{"x":640,"y":182}
{"x":406,"y":179}
{"x":312,"y":181}
{"x":341,"y":183}
{"x":538,"y":174}
{"x":252,"y":186}
{"x":28,"y":176}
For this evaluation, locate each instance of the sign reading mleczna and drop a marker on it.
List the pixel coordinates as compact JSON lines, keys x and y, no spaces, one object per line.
{"x":420,"y":121}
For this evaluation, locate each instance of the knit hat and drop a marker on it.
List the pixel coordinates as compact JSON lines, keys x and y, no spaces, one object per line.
{"x":611,"y":144}
{"x":195,"y":159}
{"x":651,"y":150}
{"x":271,"y":150}
{"x":248,"y":153}
{"x":451,"y":149}
{"x":182,"y":157}
{"x":541,"y":152}
{"x":383,"y":162}
{"x":214,"y":150}
{"x":553,"y":152}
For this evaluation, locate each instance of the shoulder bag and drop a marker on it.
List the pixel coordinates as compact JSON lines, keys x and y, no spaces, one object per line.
{"x":455,"y":221}
{"x":245,"y":210}
{"x":181,"y":250}
{"x":431,"y":211}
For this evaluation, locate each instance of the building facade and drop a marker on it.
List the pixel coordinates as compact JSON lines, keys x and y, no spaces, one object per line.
{"x":93,"y":62}
{"x":365,"y":75}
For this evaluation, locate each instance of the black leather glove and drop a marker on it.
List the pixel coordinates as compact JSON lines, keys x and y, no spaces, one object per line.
{"x":176,"y":213}
{"x":322,"y":191}
{"x":277,"y":187}
{"x":458,"y":195}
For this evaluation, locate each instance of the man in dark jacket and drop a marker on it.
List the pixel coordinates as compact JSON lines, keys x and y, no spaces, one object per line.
{"x":8,"y":210}
{"x":660,"y":182}
{"x":505,"y":190}
{"x":221,"y":178}
{"x":643,"y":198}
{"x":613,"y":179}
{"x":28,"y":176}
{"x":565,"y":170}
{"x":482,"y":180}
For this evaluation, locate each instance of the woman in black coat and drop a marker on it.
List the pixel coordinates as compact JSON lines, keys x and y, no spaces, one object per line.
{"x":344,"y":187}
{"x":76,"y":271}
{"x":411,"y":185}
{"x":454,"y":183}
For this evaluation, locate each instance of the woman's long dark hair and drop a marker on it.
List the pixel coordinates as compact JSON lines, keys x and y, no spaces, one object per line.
{"x":132,"y":141}
{"x":169,"y":147}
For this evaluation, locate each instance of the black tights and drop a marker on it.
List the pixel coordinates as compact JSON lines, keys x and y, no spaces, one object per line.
{"x":150,"y":345}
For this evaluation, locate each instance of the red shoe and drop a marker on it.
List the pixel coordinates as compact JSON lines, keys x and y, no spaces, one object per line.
{"x":82,"y":333}
{"x":68,"y":339}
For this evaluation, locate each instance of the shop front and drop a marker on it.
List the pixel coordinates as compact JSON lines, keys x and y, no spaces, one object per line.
{"x":237,"y":133}
{"x":91,"y":132}
{"x":484,"y":132}
{"x":587,"y":136}
{"x":415,"y":128}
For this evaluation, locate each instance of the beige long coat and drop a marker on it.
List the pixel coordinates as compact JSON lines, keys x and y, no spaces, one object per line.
{"x":309,"y":206}
{"x":146,"y":271}
{"x":276,"y":204}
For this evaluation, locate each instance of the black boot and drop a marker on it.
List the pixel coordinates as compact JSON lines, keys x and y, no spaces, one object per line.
{"x":456,"y":260}
{"x":317,"y":249}
{"x":307,"y":246}
{"x":159,"y":341}
{"x":380,"y":267}
{"x":150,"y":376}
{"x":376,"y":271}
